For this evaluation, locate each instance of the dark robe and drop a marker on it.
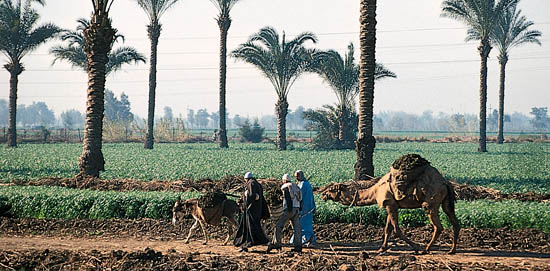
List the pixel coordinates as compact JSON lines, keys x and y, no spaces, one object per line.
{"x":250,"y":232}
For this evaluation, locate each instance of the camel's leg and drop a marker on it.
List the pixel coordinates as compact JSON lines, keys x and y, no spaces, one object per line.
{"x":433,"y":215}
{"x":231,"y":222}
{"x":387,"y":234}
{"x":204,"y":231}
{"x":448,"y":208}
{"x":394,"y":217}
{"x":191,"y":231}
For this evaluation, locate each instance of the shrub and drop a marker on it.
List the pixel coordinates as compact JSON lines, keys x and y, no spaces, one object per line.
{"x":254,"y":133}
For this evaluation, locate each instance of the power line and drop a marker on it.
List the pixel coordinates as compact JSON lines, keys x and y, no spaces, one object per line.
{"x":251,"y":67}
{"x":325,"y":33}
{"x":378,"y":47}
{"x":179,"y":92}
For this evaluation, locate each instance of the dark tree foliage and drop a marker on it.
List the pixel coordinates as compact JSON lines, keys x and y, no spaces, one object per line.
{"x":252,"y":133}
{"x":117,"y":110}
{"x":541,"y":121}
{"x":326,"y":122}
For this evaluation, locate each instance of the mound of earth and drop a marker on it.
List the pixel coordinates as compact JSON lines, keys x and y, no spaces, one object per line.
{"x":232,"y":184}
{"x":149,"y":259}
{"x":462,"y":191}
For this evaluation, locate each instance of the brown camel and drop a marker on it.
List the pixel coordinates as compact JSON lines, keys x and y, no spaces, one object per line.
{"x":429,"y":191}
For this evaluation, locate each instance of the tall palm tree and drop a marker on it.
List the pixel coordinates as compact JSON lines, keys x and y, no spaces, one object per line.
{"x":364,"y":167}
{"x":342,"y":74}
{"x":481,"y":17}
{"x":512,"y":30}
{"x":74,"y":53}
{"x":98,"y":39}
{"x":20,"y":35}
{"x":224,"y":22}
{"x":282,"y":62}
{"x":154,"y":10}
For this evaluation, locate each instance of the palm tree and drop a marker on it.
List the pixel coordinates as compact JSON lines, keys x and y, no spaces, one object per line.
{"x":342,"y":74}
{"x":364,"y":167}
{"x":224,"y":22}
{"x":154,"y":10}
{"x":481,"y":17}
{"x":282,"y":62}
{"x":98,"y":39}
{"x":512,"y":30}
{"x":19,"y":35}
{"x":74,"y":53}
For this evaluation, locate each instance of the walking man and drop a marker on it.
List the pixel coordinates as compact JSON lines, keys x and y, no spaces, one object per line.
{"x":308,"y":210}
{"x":250,"y":232}
{"x":292,"y":198}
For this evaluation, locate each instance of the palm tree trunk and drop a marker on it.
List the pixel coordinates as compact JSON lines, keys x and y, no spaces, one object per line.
{"x":15,"y":70}
{"x":98,"y":38}
{"x":282,"y":111}
{"x":364,"y":167}
{"x":484,"y":50}
{"x":503,"y":60}
{"x":153,"y":30}
{"x":224,"y":23}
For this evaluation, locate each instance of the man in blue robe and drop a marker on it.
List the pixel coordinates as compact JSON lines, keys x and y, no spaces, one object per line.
{"x":308,"y":210}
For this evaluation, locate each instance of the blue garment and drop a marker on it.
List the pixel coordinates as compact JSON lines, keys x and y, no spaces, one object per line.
{"x":308,"y":210}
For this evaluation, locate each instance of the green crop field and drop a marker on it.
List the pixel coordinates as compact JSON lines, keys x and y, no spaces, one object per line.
{"x":517,"y":167}
{"x":57,"y":202}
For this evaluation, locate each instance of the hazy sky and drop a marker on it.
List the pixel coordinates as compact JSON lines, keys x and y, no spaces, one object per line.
{"x":436,"y":69}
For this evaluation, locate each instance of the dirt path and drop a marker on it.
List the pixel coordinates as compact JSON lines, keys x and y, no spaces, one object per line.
{"x":148,"y":244}
{"x":353,"y":254}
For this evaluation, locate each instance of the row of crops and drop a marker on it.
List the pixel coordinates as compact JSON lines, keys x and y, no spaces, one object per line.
{"x":512,"y":168}
{"x":57,"y":202}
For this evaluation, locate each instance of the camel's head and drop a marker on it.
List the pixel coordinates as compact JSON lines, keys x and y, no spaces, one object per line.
{"x":332,"y":192}
{"x":180,"y":210}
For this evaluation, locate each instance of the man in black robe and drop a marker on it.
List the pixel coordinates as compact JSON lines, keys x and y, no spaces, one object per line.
{"x":250,"y":232}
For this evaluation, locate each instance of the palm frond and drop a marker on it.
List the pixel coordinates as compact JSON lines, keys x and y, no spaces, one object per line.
{"x":73,"y":53}
{"x":280,"y":61}
{"x":18,"y":29}
{"x":224,"y":6}
{"x":480,"y":16}
{"x":513,"y":30}
{"x":156,"y":8}
{"x":342,"y":75}
{"x":39,"y":36}
{"x":382,"y":72}
{"x":122,"y":56}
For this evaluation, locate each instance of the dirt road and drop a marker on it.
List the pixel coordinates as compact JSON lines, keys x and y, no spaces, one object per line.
{"x":155,"y":245}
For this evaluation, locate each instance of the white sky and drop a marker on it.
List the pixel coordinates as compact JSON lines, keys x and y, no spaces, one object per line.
{"x":409,"y":34}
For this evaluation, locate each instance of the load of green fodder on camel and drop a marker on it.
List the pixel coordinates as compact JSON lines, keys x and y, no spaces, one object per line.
{"x":212,"y":199}
{"x":409,"y":161}
{"x":407,"y":168}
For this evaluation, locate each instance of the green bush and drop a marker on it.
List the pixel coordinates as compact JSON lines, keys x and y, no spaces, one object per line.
{"x":254,"y":133}
{"x":57,"y":202}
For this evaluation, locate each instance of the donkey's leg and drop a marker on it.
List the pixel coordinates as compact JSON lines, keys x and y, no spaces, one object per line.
{"x":387,"y":233}
{"x":204,"y":231}
{"x":449,"y":209}
{"x":433,"y":215}
{"x":394,"y":217}
{"x":231,"y":222}
{"x":191,"y":231}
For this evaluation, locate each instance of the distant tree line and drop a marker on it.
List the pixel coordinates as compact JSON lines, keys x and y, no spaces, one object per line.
{"x":118,"y":110}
